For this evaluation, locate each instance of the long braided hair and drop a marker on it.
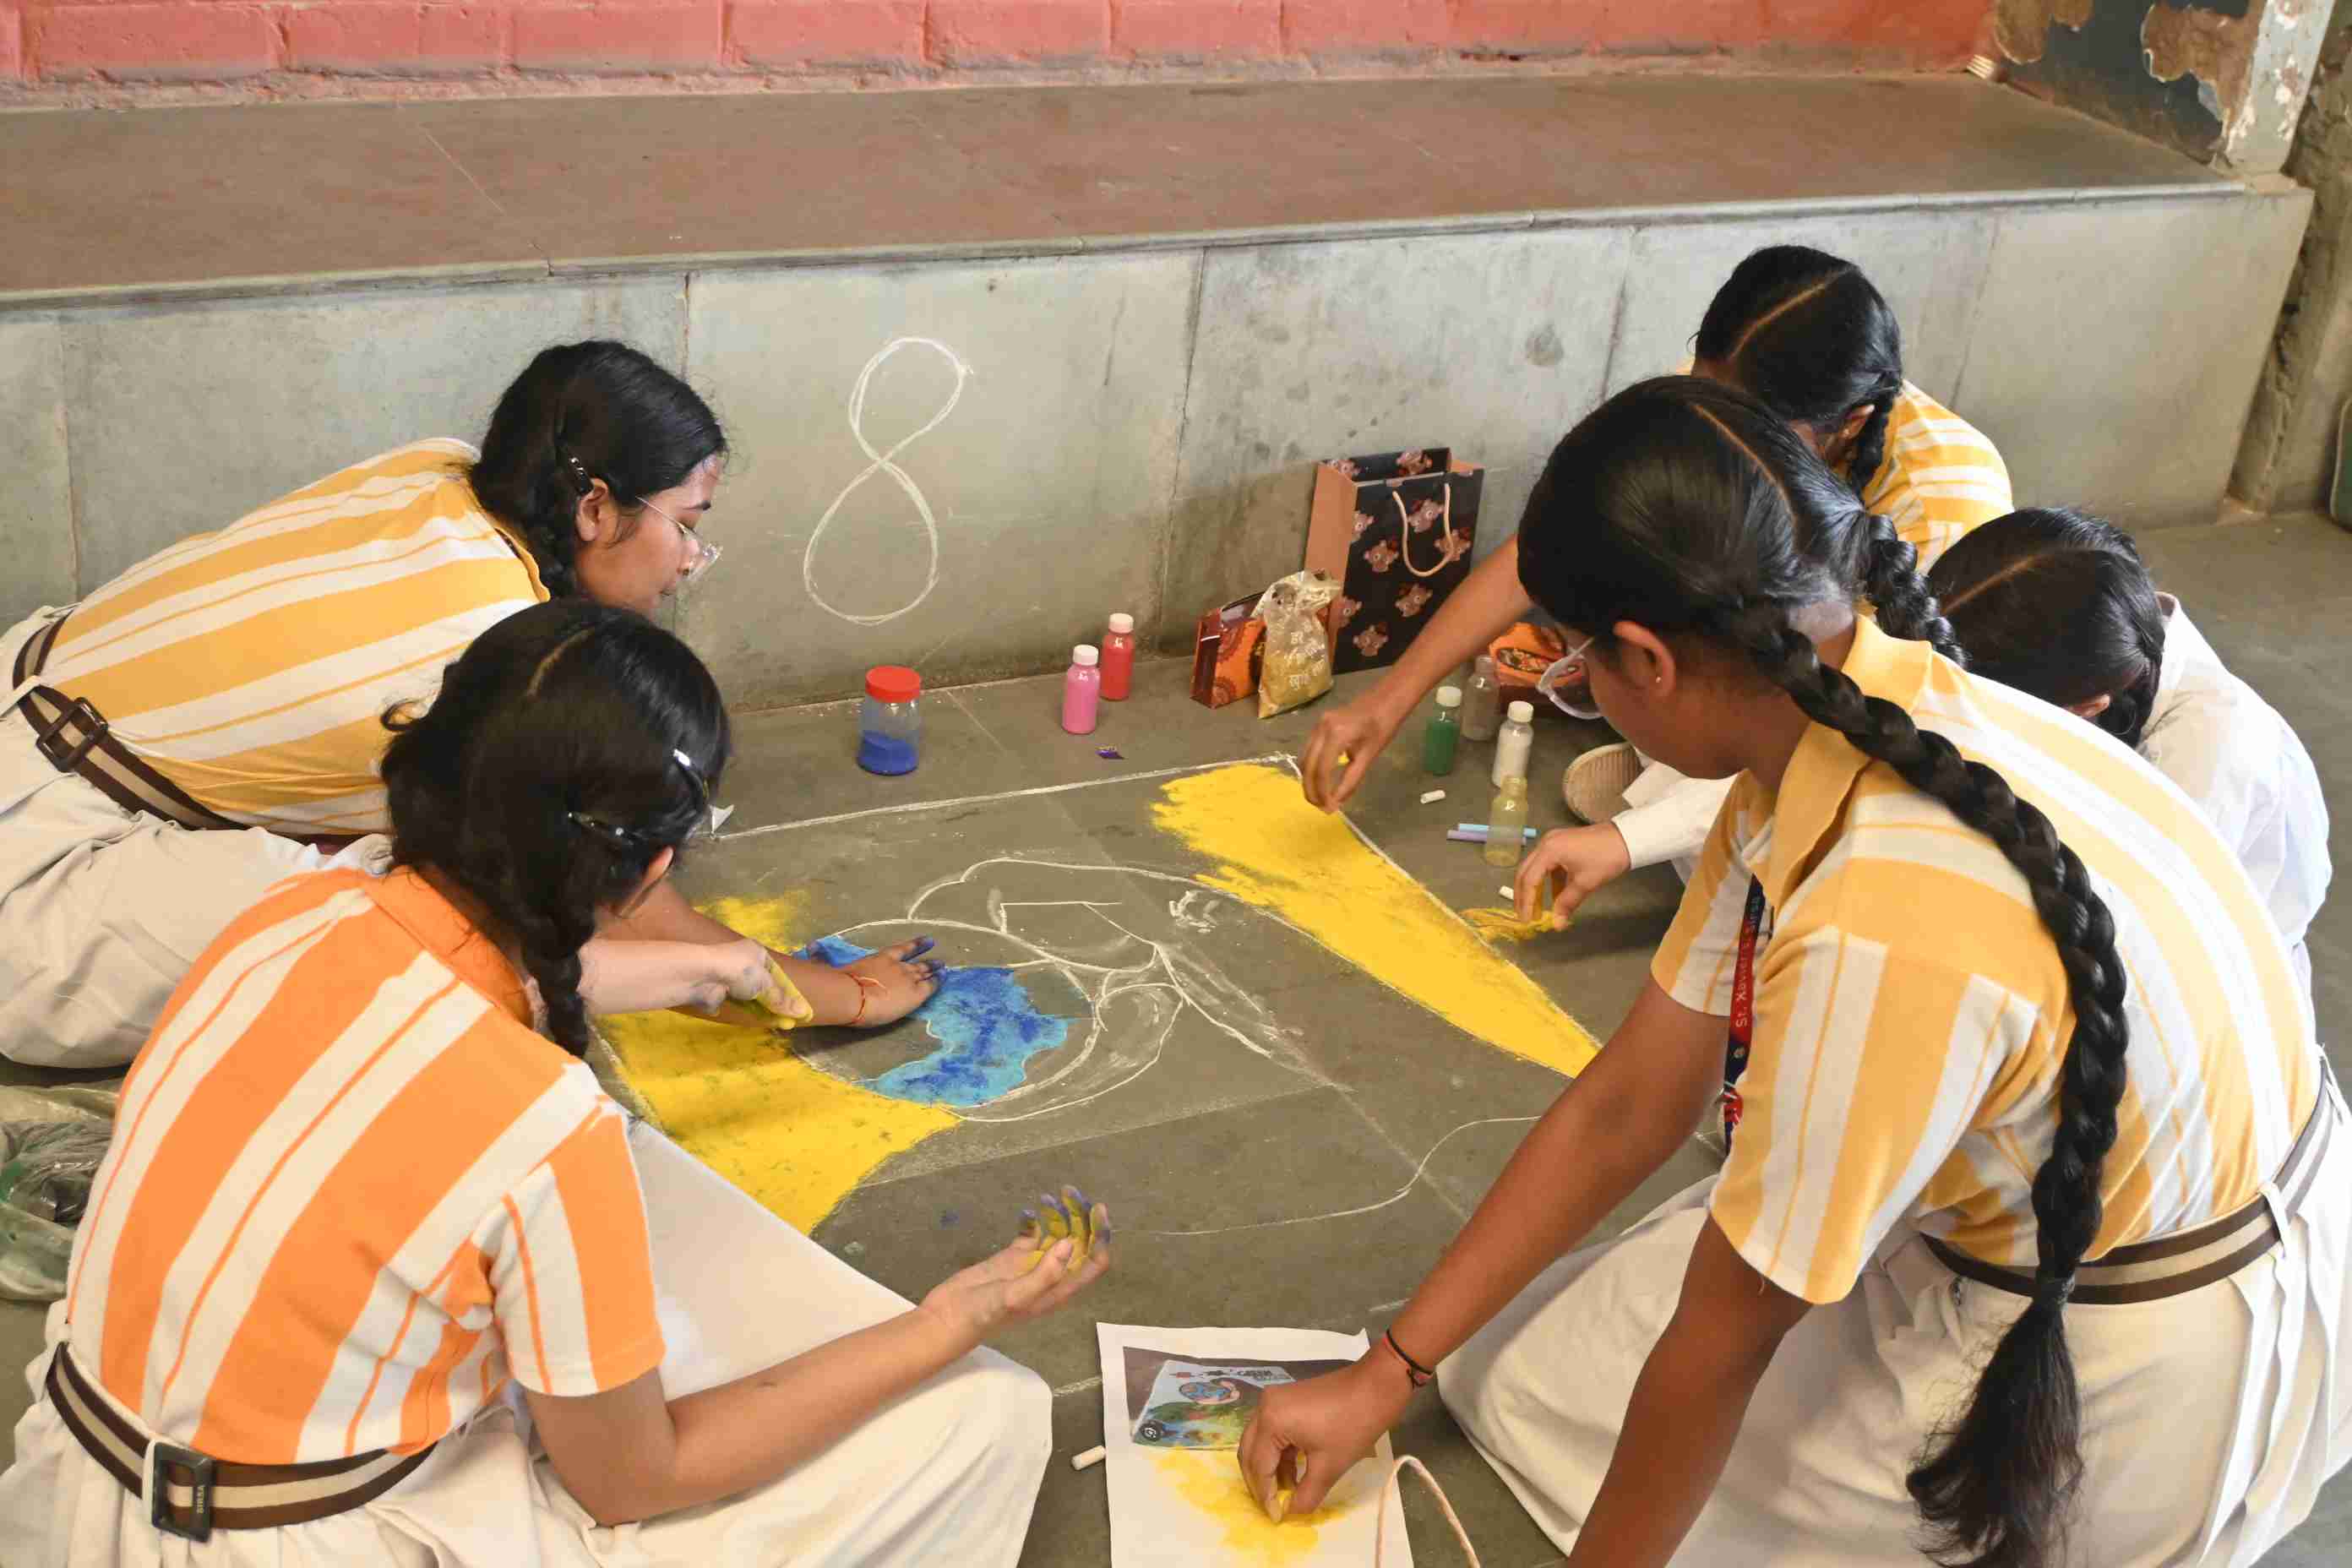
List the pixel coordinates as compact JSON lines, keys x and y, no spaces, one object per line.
{"x":1687,"y":508}
{"x":1808,"y":336}
{"x":2057,"y":603}
{"x":578,"y":413}
{"x":569,"y":746}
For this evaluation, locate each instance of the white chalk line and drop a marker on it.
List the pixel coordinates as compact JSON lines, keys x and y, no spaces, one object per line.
{"x":1397,"y":1196}
{"x":948,"y":804}
{"x":883,"y":463}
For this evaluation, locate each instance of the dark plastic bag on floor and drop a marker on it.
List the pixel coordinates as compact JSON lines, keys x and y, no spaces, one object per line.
{"x":51,"y":1141}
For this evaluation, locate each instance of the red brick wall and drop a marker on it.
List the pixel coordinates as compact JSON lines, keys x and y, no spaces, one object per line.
{"x":295,"y":42}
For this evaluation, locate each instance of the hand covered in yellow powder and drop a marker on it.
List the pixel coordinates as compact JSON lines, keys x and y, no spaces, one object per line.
{"x":1069,"y":1236}
{"x":1568,"y":866}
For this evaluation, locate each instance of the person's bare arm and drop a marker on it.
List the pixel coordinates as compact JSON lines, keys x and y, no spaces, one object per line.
{"x":1620,"y":1121}
{"x":632,"y":1453}
{"x":903,"y":980}
{"x":1489,"y":600}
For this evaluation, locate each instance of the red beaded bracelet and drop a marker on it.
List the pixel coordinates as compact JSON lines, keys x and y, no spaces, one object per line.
{"x":865,"y":989}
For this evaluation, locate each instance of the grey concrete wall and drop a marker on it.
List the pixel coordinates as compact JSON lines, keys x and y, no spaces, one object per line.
{"x":1135,"y":430}
{"x":2288,"y":461}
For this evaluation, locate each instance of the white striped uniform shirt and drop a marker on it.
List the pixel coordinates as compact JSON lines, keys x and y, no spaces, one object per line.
{"x":1910,"y":1008}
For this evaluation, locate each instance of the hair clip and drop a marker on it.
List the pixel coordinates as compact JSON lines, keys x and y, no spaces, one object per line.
{"x":614,"y":831}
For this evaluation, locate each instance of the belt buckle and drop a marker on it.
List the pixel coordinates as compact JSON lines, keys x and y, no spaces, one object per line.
{"x":93,"y":729}
{"x":203,"y":1471}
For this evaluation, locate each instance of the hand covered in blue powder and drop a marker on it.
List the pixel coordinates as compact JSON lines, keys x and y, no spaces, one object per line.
{"x":904,"y":979}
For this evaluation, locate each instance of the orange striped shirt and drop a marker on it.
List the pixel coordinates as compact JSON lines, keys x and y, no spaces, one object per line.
{"x":1910,"y":1009}
{"x":352,"y":1192}
{"x":252,"y":667}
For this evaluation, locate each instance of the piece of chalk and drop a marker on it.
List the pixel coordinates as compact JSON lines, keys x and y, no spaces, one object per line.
{"x":1478,"y":830}
{"x":1460,"y":837}
{"x":1433,"y":797}
{"x":1088,"y":1460}
{"x":1508,"y":891}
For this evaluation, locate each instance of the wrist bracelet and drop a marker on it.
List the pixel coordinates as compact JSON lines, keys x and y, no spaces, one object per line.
{"x":1415,"y":1373}
{"x":865,"y":989}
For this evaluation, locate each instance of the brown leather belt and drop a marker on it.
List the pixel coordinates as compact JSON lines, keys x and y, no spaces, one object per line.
{"x":2176,"y":1264}
{"x":193,"y":1494}
{"x":75,"y":739}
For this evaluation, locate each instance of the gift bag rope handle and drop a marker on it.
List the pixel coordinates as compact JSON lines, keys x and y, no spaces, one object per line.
{"x":1392,"y":1484}
{"x":1404,"y":526}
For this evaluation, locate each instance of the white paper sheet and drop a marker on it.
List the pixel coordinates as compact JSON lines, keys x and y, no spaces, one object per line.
{"x":1174,"y":1403}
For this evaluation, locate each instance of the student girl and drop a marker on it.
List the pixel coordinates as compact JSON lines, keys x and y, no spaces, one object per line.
{"x":208,"y":722}
{"x":2056,"y":603}
{"x":2035,"y":1226}
{"x":364,"y":1231}
{"x":1808,"y":336}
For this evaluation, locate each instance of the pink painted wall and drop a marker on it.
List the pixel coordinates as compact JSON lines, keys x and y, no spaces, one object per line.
{"x":301,"y":46}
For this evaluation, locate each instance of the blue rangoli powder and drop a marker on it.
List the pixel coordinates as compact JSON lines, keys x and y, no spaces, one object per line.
{"x":986,"y":1024}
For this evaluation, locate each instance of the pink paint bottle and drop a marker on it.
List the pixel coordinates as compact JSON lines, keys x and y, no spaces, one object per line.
{"x":1081,"y":691}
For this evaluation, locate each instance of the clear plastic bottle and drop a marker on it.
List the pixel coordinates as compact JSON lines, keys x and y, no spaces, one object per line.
{"x":1506,"y":824}
{"x":1482,"y":702}
{"x":1512,"y":745}
{"x":1441,"y":738}
{"x":1118,"y":659}
{"x":890,"y":725}
{"x":1082,"y":690}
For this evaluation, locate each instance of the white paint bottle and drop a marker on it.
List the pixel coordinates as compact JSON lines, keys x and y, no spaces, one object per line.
{"x":1512,"y":746}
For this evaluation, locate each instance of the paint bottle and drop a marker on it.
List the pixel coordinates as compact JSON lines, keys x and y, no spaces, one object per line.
{"x":1118,"y":659}
{"x":890,"y":725}
{"x":1512,"y":746}
{"x":1482,"y":704}
{"x":1507,"y":822}
{"x":1442,"y":737}
{"x":1081,"y":691}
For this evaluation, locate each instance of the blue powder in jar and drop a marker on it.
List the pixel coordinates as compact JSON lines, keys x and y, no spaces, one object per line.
{"x":888,"y":754}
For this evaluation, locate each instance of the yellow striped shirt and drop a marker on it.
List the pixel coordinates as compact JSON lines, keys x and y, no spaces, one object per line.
{"x":252,"y":667}
{"x":1910,"y":1007}
{"x":1939,"y":478}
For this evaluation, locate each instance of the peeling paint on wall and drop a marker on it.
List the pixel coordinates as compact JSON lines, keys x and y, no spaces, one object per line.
{"x":2188,"y":40}
{"x":2021,"y":27}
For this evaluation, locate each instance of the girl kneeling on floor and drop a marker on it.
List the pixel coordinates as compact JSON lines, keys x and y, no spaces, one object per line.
{"x":355,"y":1200}
{"x":2032,"y":1245}
{"x":2057,"y":603}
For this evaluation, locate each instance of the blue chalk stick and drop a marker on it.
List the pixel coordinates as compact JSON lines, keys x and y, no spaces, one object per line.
{"x":1478,"y":830}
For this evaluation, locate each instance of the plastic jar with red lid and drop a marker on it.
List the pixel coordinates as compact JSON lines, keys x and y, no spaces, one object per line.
{"x":889,"y":722}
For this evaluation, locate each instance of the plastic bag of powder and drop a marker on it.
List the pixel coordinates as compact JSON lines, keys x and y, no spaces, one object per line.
{"x":1298,"y":667}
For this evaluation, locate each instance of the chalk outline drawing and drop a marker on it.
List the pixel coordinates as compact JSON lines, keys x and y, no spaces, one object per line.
{"x":884,"y":463}
{"x":1166,"y":983}
{"x":1280,"y":759}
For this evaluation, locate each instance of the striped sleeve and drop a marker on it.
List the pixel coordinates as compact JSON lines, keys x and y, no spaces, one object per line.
{"x":571,"y":1267}
{"x":1694,"y":964}
{"x":1868,"y":1068}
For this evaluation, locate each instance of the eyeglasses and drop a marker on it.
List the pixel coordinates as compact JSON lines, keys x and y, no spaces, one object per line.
{"x":1549,"y":683}
{"x":703,"y":554}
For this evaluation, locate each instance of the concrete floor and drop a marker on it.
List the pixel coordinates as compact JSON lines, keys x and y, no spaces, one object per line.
{"x":2271,"y":594}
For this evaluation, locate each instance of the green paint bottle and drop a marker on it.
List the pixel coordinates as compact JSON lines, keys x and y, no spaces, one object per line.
{"x":1442,"y":737}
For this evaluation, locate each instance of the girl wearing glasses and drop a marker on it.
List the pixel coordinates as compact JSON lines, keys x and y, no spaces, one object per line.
{"x":208,"y":722}
{"x":373,"y":1272}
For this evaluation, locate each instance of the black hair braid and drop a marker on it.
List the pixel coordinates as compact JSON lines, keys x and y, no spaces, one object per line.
{"x":2128,"y":712}
{"x":1995,"y":1486}
{"x":1870,"y":442}
{"x":551,"y":952}
{"x":1906,"y":607}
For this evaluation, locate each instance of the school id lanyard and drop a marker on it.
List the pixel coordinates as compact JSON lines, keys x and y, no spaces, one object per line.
{"x":1743,"y":1009}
